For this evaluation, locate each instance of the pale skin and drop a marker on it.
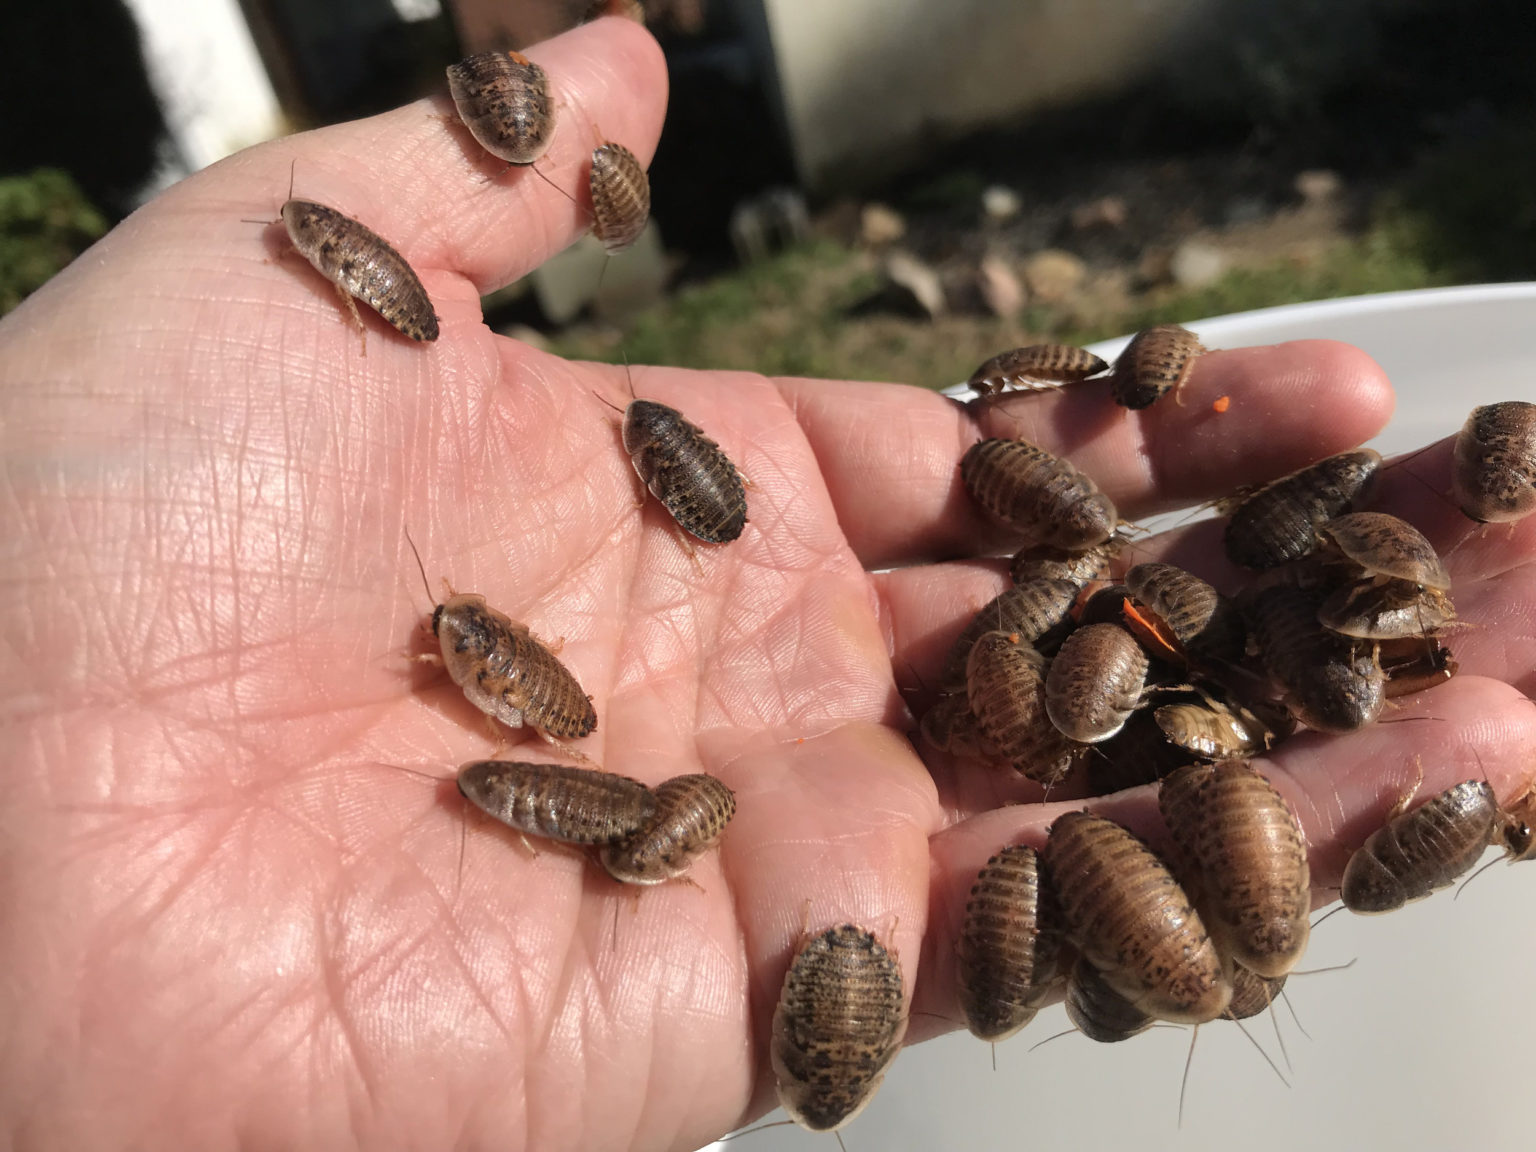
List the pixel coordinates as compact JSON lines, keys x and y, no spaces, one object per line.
{"x":227,"y":921}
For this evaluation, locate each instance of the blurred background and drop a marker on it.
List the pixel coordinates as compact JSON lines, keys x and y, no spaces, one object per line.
{"x":876,"y":189}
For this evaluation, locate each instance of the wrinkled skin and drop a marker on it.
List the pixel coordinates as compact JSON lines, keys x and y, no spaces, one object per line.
{"x":227,"y":919}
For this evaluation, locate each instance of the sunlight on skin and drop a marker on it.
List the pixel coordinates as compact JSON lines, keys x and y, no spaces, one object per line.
{"x":230,"y":920}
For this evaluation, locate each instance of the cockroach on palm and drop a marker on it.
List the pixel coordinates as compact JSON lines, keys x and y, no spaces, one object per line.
{"x":506,"y":671}
{"x":362,"y":264}
{"x":689,"y":816}
{"x":838,"y":1025}
{"x":558,"y":801}
{"x":687,"y":471}
{"x":503,"y":99}
{"x":1007,"y":697}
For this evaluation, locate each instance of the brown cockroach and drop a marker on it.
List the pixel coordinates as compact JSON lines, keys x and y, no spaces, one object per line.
{"x":1395,"y":610}
{"x":1156,"y":361}
{"x":1420,"y":852}
{"x":1217,"y":731}
{"x":1517,"y":828}
{"x":1494,"y":476}
{"x":1033,"y":611}
{"x":1035,"y":368}
{"x":691,"y":813}
{"x":621,"y":196}
{"x":1132,"y":921}
{"x":1095,"y":682}
{"x":1385,"y":547}
{"x":504,"y":670}
{"x":1252,"y":993}
{"x":1426,"y":663}
{"x":951,"y":726}
{"x":507,"y":672}
{"x":1098,"y":1011}
{"x":361,"y":264}
{"x":1404,"y":586}
{"x":1331,"y":682}
{"x":1208,"y":625}
{"x":558,"y":801}
{"x":1043,"y":562}
{"x":503,"y":99}
{"x":686,"y":470}
{"x":1007,"y":697}
{"x":1251,"y":858}
{"x":837,"y":1027}
{"x":1010,"y":945}
{"x":1278,"y":522}
{"x":1041,"y":495}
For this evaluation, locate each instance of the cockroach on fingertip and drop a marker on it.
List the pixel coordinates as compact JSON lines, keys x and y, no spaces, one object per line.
{"x":1494,"y":475}
{"x":1418,"y":852}
{"x":1010,"y":945}
{"x":1156,"y":361}
{"x":621,"y":196}
{"x":361,"y":264}
{"x":503,"y":99}
{"x":838,"y":1025}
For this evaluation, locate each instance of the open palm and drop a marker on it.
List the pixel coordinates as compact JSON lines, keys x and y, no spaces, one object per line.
{"x":227,"y":918}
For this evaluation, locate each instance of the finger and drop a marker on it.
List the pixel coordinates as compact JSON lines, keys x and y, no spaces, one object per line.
{"x":891,"y":456}
{"x":435,"y":192}
{"x":1341,"y":789}
{"x":416,"y":177}
{"x":829,"y":830}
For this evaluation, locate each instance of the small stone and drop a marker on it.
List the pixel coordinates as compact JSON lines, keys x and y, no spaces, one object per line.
{"x":1318,"y":185}
{"x":1000,"y":203}
{"x":1196,"y":264}
{"x":1105,"y":212}
{"x":1053,"y":276}
{"x":1245,"y":210}
{"x":917,"y":281}
{"x":880,"y":225}
{"x":1000,"y":287}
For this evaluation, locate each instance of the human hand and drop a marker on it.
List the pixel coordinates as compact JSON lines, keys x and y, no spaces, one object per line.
{"x":227,"y":918}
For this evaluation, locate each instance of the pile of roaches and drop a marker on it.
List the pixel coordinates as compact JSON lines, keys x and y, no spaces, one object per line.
{"x":1091,"y":685}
